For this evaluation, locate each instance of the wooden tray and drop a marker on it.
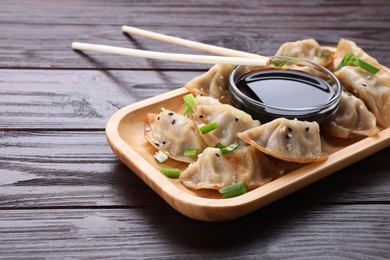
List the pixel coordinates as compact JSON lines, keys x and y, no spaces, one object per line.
{"x":125,"y":135}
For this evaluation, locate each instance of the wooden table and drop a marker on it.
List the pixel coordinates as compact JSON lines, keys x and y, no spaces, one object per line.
{"x":64,"y":194}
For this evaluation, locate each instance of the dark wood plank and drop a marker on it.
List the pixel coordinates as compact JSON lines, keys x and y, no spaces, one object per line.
{"x":292,"y":232}
{"x":31,"y":40}
{"x":57,"y":52}
{"x":65,"y":99}
{"x":77,"y":168}
{"x":223,"y":13}
{"x":60,"y":169}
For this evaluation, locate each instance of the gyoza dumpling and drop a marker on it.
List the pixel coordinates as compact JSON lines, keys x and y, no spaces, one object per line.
{"x":308,"y":49}
{"x":345,"y":46}
{"x":214,"y":83}
{"x":172,"y":134}
{"x":213,"y":170}
{"x":230,"y":121}
{"x":352,"y":118}
{"x":374,"y":90}
{"x":289,"y":140}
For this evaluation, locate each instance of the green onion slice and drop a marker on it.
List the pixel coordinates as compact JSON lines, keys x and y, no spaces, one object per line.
{"x":171,"y":172}
{"x":350,"y":58}
{"x":234,"y":190}
{"x":191,"y":152}
{"x":160,"y":157}
{"x":188,"y":100}
{"x":219,"y":145}
{"x":345,"y":61}
{"x":229,"y":148}
{"x":364,"y":65}
{"x":281,"y":62}
{"x":208,"y":128}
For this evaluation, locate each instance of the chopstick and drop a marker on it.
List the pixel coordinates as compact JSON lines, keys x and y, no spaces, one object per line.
{"x":190,"y":44}
{"x":258,"y":61}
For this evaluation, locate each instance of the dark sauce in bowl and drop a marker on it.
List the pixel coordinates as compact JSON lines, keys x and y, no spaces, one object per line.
{"x":285,"y":88}
{"x":270,"y":92}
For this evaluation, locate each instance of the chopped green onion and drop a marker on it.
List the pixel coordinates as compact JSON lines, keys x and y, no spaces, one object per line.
{"x":229,"y":148}
{"x":345,"y":61}
{"x":188,"y":100}
{"x":364,"y":65}
{"x":281,"y":62}
{"x":186,"y":110}
{"x":160,"y":157}
{"x":191,"y":152}
{"x":171,"y":172}
{"x":208,"y":128}
{"x":350,"y":58}
{"x":236,"y":189}
{"x":219,"y":145}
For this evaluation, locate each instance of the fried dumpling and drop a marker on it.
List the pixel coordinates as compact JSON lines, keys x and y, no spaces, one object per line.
{"x":345,"y":46}
{"x":374,"y":90}
{"x":213,"y":170}
{"x":308,"y":49}
{"x":172,"y":134}
{"x":230,"y":121}
{"x":289,"y":140}
{"x":352,"y":119}
{"x":214,"y":83}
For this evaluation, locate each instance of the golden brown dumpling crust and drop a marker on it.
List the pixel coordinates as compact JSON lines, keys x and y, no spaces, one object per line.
{"x":213,"y":170}
{"x":289,"y":140}
{"x":352,"y":119}
{"x":373,"y":90}
{"x":230,"y":121}
{"x":214,"y":83}
{"x":173,"y":133}
{"x":308,"y":49}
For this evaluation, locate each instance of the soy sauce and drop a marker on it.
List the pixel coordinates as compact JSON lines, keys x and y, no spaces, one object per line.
{"x":285,"y":88}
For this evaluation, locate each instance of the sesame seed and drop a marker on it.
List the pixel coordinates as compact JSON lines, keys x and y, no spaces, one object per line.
{"x":217,"y":155}
{"x":170,"y":113}
{"x":173,"y":121}
{"x":156,"y":144}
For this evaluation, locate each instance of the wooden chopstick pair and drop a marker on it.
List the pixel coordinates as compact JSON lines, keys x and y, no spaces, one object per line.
{"x":229,"y":56}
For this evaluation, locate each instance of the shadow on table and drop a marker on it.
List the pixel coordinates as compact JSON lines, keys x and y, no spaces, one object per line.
{"x":305,"y":213}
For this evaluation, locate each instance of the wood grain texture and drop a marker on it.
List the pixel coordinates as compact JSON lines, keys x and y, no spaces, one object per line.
{"x":63,"y":99}
{"x":256,"y":27}
{"x":57,"y":52}
{"x":297,"y":231}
